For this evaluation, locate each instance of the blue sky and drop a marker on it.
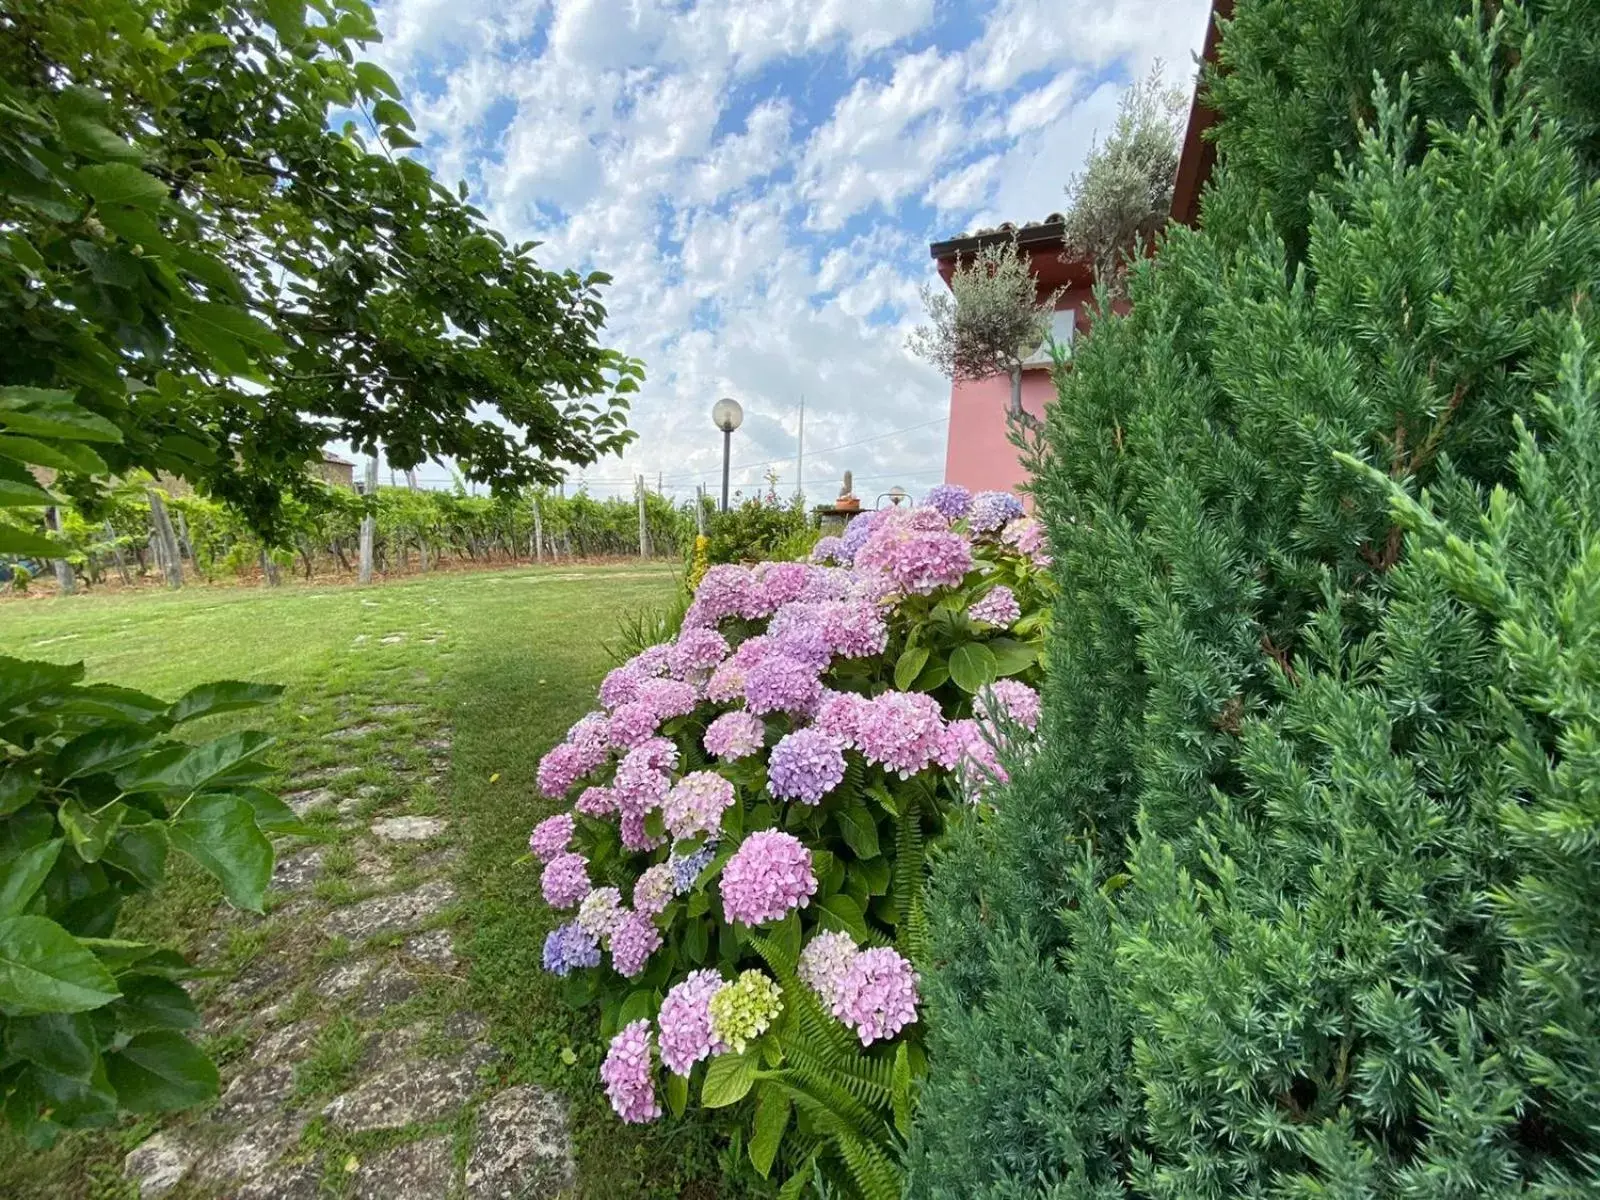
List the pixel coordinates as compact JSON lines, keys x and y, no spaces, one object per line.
{"x":762,"y":179}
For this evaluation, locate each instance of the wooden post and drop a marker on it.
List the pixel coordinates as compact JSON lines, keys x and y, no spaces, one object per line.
{"x":538,"y":532}
{"x":700,"y":509}
{"x":185,"y":546}
{"x":369,"y":523}
{"x":644,"y":527}
{"x":166,"y":540}
{"x":269,"y":570}
{"x":116,"y":554}
{"x":66,"y":582}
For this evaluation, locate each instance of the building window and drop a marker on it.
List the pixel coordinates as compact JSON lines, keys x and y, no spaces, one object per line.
{"x":1063,"y":324}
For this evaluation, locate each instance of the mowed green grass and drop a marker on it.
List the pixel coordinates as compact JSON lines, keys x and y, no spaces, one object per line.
{"x":505,"y":661}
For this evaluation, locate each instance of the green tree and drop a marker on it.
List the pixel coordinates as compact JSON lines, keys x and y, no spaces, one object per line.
{"x":1292,"y":901}
{"x":190,"y":250}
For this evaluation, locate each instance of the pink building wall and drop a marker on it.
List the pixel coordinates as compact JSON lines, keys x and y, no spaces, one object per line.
{"x":978,"y":455}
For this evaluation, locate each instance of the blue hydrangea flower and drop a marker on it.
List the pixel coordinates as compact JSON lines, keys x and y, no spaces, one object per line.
{"x":569,"y":946}
{"x":686,"y":868}
{"x":951,"y":499}
{"x":991,"y":510}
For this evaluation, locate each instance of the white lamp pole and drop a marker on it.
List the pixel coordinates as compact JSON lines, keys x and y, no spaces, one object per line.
{"x":727,"y":416}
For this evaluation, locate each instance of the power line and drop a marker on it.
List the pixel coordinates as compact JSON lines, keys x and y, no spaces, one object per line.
{"x":828,"y":450}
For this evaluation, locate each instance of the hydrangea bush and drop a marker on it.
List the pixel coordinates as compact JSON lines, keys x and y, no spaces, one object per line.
{"x":742,"y":868}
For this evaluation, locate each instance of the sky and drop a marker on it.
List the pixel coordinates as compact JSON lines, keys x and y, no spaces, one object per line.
{"x":762,"y":179}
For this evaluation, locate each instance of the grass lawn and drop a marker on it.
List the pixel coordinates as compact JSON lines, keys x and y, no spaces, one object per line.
{"x":462,"y":681}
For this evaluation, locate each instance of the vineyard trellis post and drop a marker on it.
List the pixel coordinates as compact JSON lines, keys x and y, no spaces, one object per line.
{"x":65,"y":581}
{"x":700,"y":510}
{"x":538,"y":533}
{"x":116,"y":554}
{"x":369,"y":523}
{"x":166,"y":540}
{"x":644,"y":526}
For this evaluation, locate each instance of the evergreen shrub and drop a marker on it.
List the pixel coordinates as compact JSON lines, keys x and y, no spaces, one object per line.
{"x":1297,"y":894}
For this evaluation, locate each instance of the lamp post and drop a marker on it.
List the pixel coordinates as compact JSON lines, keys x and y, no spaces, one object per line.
{"x":726,"y":415}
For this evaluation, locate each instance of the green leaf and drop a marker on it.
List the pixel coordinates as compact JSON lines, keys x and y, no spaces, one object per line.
{"x":288,"y":17}
{"x":766,"y":1134}
{"x":161,"y":1071}
{"x":272,"y":814}
{"x":400,"y":139}
{"x":859,"y":829}
{"x":90,"y":832}
{"x":46,"y":412}
{"x":43,"y":968}
{"x":122,"y":183}
{"x":16,"y":494}
{"x":373,"y":80}
{"x":677,"y":1093}
{"x":933,"y":676}
{"x":26,"y":543}
{"x":22,"y":875}
{"x":17,"y":787}
{"x":391,"y":112}
{"x":195,"y":766}
{"x":108,"y":748}
{"x":71,"y":457}
{"x":910,"y":666}
{"x":901,"y":1089}
{"x":843,"y":913}
{"x":1011,"y":656}
{"x":62,"y":1043}
{"x":798,"y":1184}
{"x":140,"y":850}
{"x":219,"y":833}
{"x":639,"y":1006}
{"x":695,"y":941}
{"x":973,"y":667}
{"x":151,"y":1002}
{"x":728,"y":1080}
{"x":225,"y":695}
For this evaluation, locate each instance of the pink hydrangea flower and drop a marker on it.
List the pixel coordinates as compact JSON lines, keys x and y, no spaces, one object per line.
{"x":805,"y":765}
{"x":877,"y":997}
{"x":696,"y":650}
{"x":841,"y":714}
{"x":901,"y":731}
{"x":551,"y":836}
{"x":751,"y":651}
{"x":620,"y":686}
{"x":596,"y":802}
{"x":633,"y":940}
{"x":591,"y":737}
{"x":769,"y":874}
{"x":727,"y":590}
{"x":635,"y":836}
{"x":1015,"y":700}
{"x":965,"y":750}
{"x":633,"y":722}
{"x":735,"y":735}
{"x":827,"y":550}
{"x":999,"y":607}
{"x":654,"y":890}
{"x":643,"y":776}
{"x":828,"y":583}
{"x":782,"y":582}
{"x":779,"y":683}
{"x":918,"y":561}
{"x":726,"y":683}
{"x":823,"y":964}
{"x":559,"y":770}
{"x":651,"y":662}
{"x":991,"y":511}
{"x":1027,"y":536}
{"x":565,"y":880}
{"x":599,"y":913}
{"x":696,"y":804}
{"x":685,"y":1022}
{"x":668,"y":698}
{"x":627,"y":1075}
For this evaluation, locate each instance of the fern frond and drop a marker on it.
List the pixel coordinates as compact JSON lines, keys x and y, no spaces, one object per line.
{"x":909,"y":881}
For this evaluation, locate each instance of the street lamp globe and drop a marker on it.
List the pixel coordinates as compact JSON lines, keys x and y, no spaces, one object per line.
{"x":726,"y":414}
{"x":897,"y":494}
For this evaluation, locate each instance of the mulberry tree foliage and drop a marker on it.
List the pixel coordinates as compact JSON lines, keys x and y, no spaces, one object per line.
{"x":1297,"y":899}
{"x":1123,"y":195}
{"x":210,"y":237}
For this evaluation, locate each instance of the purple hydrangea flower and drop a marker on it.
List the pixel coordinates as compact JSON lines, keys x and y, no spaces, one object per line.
{"x":726,"y":683}
{"x":565,"y":880}
{"x":599,"y":913}
{"x":627,"y":1075}
{"x":767,"y":876}
{"x":900,"y":731}
{"x":634,"y":834}
{"x":878,"y":995}
{"x":633,"y":941}
{"x":685,"y":1022}
{"x":653,"y":890}
{"x":651,"y":662}
{"x":827,"y":550}
{"x":569,"y":946}
{"x":668,"y":698}
{"x":782,"y":582}
{"x":991,"y":510}
{"x":633,"y":722}
{"x":816,"y":631}
{"x":855,"y":535}
{"x":696,"y":650}
{"x":643,"y":776}
{"x":735,"y":735}
{"x":779,"y":683}
{"x":1010,"y":698}
{"x":620,"y":686}
{"x":591,"y":738}
{"x":918,"y":561}
{"x":828,"y":583}
{"x":966,"y":751}
{"x":596,"y":802}
{"x":951,"y":499}
{"x":805,"y":765}
{"x":696,"y":804}
{"x":559,"y":770}
{"x":727,"y":590}
{"x":999,"y":607}
{"x":551,"y":836}
{"x":841,"y":714}
{"x":1027,"y":536}
{"x":687,"y":868}
{"x":823,"y":964}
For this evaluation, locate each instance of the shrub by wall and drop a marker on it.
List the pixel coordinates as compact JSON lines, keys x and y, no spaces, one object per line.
{"x":1295,"y":896}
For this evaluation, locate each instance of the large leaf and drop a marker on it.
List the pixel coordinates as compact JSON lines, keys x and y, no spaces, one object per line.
{"x":140,"y":850}
{"x":62,"y":1043}
{"x":677,"y":1093}
{"x":766,"y":1134}
{"x":15,"y":494}
{"x":288,"y":17}
{"x":43,"y":968}
{"x":194,"y":767}
{"x":23,"y":874}
{"x":220,"y":833}
{"x":859,"y":829}
{"x":151,"y":1002}
{"x":17,"y":787}
{"x":26,"y":543}
{"x":909,"y":666}
{"x":108,"y":748}
{"x":161,"y":1071}
{"x":973,"y":667}
{"x":843,"y":913}
{"x":122,"y":183}
{"x":225,"y":695}
{"x":728,"y":1080}
{"x":272,"y":814}
{"x":71,"y":456}
{"x":1011,"y":656}
{"x":24,"y":679}
{"x":43,"y":412}
{"x":90,"y":832}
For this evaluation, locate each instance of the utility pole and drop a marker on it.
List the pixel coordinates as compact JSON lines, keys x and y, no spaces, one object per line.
{"x":800,"y":458}
{"x":369,"y":523}
{"x":700,"y":509}
{"x":644,"y":527}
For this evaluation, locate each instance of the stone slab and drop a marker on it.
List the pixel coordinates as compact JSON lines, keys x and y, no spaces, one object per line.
{"x":287,"y":1044}
{"x":296,"y":871}
{"x":158,"y":1163}
{"x":257,"y":1093}
{"x":408,"y":829}
{"x":429,"y":1090}
{"x":436,"y":949}
{"x":391,"y":913}
{"x":252,"y":1153}
{"x":297,"y":1182}
{"x":390,"y":986}
{"x":522,"y":1147}
{"x":303,"y":801}
{"x":345,"y":980}
{"x":423,"y":1169}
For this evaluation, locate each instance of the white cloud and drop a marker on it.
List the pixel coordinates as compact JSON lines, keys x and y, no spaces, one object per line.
{"x":743,"y":169}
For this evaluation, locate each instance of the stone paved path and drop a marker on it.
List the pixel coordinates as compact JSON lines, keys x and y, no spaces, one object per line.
{"x":351,"y":1067}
